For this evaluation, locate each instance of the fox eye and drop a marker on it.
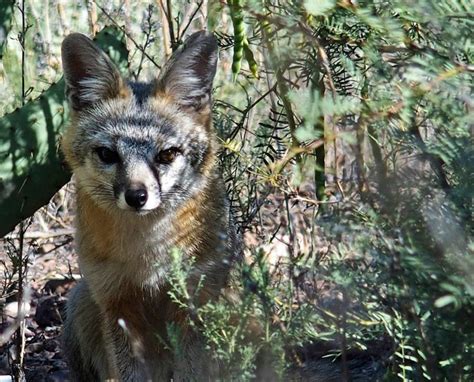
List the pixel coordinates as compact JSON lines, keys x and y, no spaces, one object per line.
{"x":107,"y":156}
{"x":167,"y":156}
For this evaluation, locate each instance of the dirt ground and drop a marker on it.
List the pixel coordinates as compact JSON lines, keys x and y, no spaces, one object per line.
{"x":52,"y":271}
{"x":49,"y":281}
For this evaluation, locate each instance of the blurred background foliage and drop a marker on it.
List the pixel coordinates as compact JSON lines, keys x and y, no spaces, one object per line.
{"x":346,"y":131}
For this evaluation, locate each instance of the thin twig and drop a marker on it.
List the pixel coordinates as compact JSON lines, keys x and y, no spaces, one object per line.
{"x":322,"y":54}
{"x":62,"y":18}
{"x":138,"y":46}
{"x":92,"y":14}
{"x":23,"y":262}
{"x":165,"y":30}
{"x":169,"y":16}
{"x":182,"y":30}
{"x":148,"y":40}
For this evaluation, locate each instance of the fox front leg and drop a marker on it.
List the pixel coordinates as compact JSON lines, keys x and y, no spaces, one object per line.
{"x":125,"y":352}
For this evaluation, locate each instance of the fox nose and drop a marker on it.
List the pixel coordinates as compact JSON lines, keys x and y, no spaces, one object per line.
{"x":136,"y":198}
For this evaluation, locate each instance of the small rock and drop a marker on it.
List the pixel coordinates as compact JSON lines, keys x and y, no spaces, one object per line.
{"x":10,"y":310}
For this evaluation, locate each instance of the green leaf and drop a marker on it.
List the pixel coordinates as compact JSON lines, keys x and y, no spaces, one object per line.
{"x":445,"y":300}
{"x":319,"y":7}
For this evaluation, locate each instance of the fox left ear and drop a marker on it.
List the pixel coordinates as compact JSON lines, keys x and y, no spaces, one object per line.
{"x":187,"y":76}
{"x":89,"y":73}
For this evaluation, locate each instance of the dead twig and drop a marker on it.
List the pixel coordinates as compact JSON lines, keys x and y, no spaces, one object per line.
{"x":92,"y":16}
{"x":190,"y":17}
{"x":41,"y":234}
{"x":137,"y":45}
{"x":165,"y":30}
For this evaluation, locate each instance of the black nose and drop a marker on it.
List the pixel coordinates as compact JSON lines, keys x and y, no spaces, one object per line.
{"x":136,"y":198}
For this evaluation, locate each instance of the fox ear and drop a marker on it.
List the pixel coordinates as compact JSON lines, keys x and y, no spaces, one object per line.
{"x":187,"y":76}
{"x":89,"y":73}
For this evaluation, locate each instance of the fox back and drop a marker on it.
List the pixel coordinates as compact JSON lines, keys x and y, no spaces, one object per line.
{"x":144,"y":161}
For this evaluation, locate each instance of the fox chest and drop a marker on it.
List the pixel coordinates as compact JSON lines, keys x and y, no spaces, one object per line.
{"x":122,"y":241}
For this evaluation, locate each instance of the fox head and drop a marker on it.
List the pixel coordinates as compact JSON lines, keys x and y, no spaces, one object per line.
{"x":135,"y":146}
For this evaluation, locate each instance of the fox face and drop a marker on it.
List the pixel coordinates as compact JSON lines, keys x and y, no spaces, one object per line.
{"x":140,"y":147}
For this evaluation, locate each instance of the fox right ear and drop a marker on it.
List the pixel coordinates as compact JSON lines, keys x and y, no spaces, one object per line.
{"x":89,"y":73}
{"x":187,"y":76}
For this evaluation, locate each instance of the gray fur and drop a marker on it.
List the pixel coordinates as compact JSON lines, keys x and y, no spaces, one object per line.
{"x":138,"y":134}
{"x":142,"y":90}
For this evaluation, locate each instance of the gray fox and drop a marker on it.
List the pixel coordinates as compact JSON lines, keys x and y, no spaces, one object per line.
{"x":145,"y":166}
